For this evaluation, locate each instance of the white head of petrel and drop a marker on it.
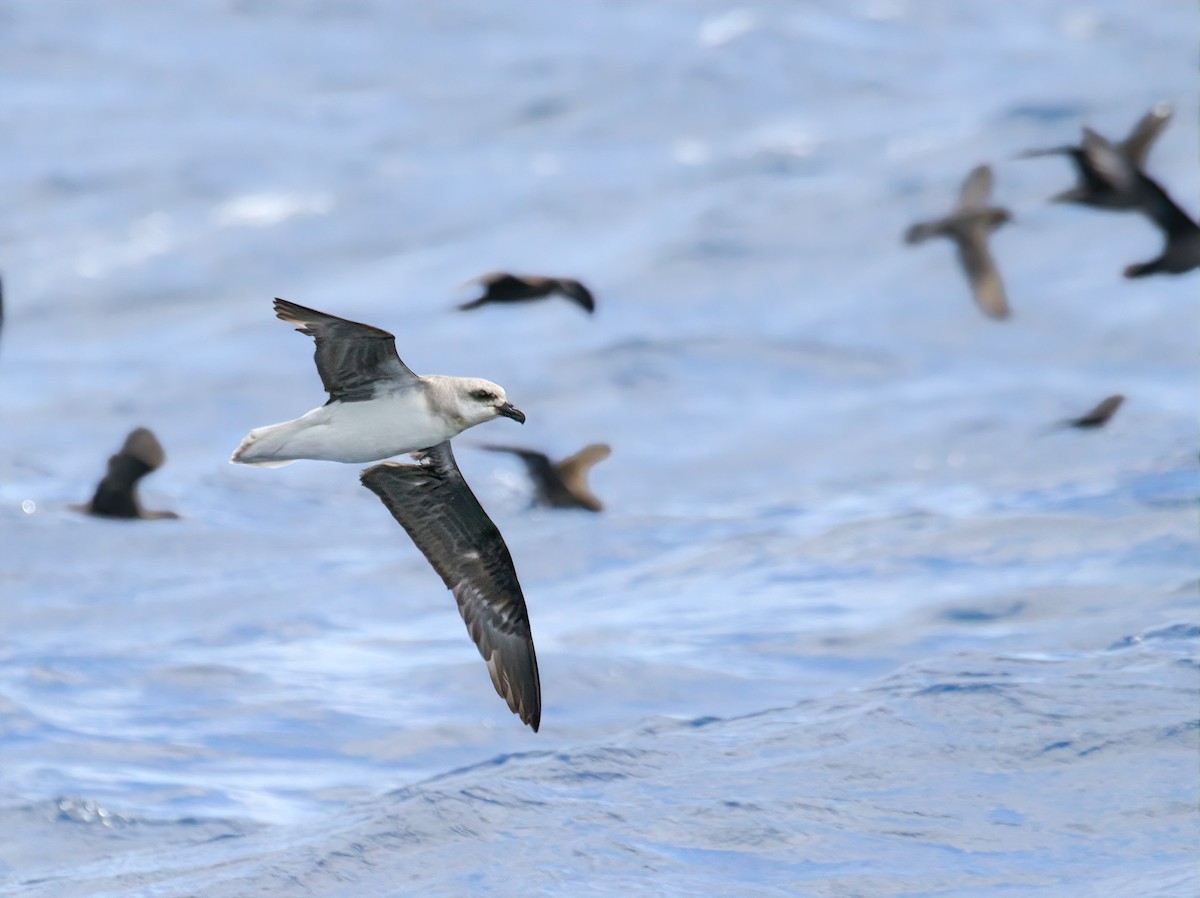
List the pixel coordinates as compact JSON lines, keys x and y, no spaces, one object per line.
{"x":377,"y":407}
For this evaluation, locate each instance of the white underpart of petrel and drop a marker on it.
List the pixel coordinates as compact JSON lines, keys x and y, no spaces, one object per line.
{"x":377,"y":407}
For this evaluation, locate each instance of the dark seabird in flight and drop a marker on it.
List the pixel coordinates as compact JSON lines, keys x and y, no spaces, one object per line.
{"x":1181,"y":234}
{"x":969,"y":225}
{"x":561,"y":484}
{"x":1098,"y":416}
{"x":116,"y":495}
{"x":377,"y":407}
{"x":500,"y":286}
{"x":432,"y":501}
{"x":1096,"y":186}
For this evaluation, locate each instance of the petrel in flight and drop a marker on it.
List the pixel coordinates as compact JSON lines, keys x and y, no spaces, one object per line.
{"x":969,"y":225}
{"x":116,"y":494}
{"x":500,"y":286}
{"x":1181,"y":234}
{"x":561,"y":484}
{"x":1097,"y":187}
{"x":377,"y":407}
{"x":1098,"y":416}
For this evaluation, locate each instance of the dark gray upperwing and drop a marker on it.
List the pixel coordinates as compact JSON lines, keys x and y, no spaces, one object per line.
{"x":434,"y":504}
{"x":353,"y":359}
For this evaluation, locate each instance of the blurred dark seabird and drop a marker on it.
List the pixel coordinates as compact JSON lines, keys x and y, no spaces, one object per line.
{"x":968,"y":225}
{"x":1097,"y":187}
{"x":116,"y":494}
{"x":561,"y":484}
{"x":502,"y":287}
{"x":1098,"y":416}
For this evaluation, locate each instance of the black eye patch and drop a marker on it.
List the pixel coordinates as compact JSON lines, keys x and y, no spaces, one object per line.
{"x":482,"y":395}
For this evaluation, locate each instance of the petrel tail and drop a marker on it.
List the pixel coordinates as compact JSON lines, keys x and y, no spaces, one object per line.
{"x":260,"y":450}
{"x":473,"y":304}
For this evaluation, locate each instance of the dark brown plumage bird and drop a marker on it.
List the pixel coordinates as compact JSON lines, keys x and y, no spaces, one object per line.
{"x":116,"y":495}
{"x":1096,"y":187}
{"x":433,"y":503}
{"x":561,"y":484}
{"x":500,"y":286}
{"x":1181,"y":234}
{"x":969,"y":225}
{"x":1098,"y":416}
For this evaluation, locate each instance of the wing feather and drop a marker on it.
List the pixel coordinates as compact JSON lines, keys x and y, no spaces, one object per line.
{"x":353,"y":359}
{"x":986,"y":285}
{"x":1136,"y":146}
{"x":433,"y":503}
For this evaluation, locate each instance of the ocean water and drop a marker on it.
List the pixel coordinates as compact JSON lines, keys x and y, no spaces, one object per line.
{"x":858,"y":620}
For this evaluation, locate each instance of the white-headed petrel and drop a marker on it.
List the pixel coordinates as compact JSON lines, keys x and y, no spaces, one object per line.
{"x":377,"y":407}
{"x":502,"y":287}
{"x":434,"y":504}
{"x":968,"y":225}
{"x":561,"y":484}
{"x":116,"y":494}
{"x":1096,"y":186}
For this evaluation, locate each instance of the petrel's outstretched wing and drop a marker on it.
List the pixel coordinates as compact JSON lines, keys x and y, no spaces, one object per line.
{"x":986,"y":286}
{"x":354,"y":360}
{"x":574,"y":469}
{"x":434,"y":504}
{"x":1144,"y":133}
{"x":976,"y":188}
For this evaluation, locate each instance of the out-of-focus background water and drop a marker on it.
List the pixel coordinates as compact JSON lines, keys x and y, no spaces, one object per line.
{"x":857,"y":620}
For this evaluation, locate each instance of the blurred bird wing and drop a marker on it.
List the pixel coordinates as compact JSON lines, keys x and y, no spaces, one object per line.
{"x":1107,"y":162}
{"x":986,"y":286}
{"x":1136,"y":146}
{"x":144,"y":446}
{"x":574,"y":470}
{"x":485,"y":279}
{"x":1160,"y":208}
{"x":976,"y":188}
